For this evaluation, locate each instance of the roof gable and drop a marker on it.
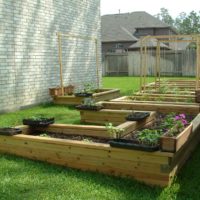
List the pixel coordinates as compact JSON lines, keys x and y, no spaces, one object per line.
{"x":120,"y":27}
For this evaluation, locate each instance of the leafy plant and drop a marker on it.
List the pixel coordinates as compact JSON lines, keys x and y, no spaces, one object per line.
{"x":87,"y":140}
{"x":175,"y":124}
{"x":88,"y":88}
{"x":149,"y":136}
{"x":114,"y":131}
{"x":44,"y":135}
{"x":37,"y":117}
{"x":89,"y":101}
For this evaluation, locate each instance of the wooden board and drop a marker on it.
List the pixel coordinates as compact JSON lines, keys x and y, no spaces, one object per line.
{"x":159,"y":107}
{"x":103,"y":95}
{"x":87,"y":130}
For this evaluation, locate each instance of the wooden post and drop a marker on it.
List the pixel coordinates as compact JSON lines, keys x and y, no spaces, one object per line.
{"x":60,"y":62}
{"x":145,"y":64}
{"x":197,"y":61}
{"x":141,"y":65}
{"x":97,"y":63}
{"x":158,"y":64}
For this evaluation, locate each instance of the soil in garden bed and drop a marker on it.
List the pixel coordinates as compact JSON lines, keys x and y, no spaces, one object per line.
{"x":85,"y":138}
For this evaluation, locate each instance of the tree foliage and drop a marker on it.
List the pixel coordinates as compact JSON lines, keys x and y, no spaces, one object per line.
{"x":184,"y":23}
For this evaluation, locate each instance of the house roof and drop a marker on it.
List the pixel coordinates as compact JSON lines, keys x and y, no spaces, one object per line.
{"x":120,"y":27}
{"x":151,"y":43}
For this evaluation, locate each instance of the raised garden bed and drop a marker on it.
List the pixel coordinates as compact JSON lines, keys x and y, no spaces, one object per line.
{"x":115,"y":116}
{"x":127,"y":104}
{"x":98,"y":95}
{"x":155,"y":168}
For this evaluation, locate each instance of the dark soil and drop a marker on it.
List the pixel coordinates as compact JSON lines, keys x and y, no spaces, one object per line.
{"x":85,"y":138}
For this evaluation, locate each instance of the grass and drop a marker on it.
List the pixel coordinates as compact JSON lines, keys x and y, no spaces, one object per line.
{"x":127,"y":85}
{"x":22,"y":179}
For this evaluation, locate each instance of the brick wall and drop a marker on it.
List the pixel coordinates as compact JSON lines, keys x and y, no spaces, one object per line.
{"x":29,"y":48}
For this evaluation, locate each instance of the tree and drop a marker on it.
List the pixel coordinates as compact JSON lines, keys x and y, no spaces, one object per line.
{"x":165,"y":17}
{"x":185,"y":24}
{"x":188,"y":24}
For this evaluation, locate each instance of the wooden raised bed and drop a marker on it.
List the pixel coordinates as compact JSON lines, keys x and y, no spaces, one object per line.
{"x":173,"y":144}
{"x":155,"y":168}
{"x":164,"y":107}
{"x":115,"y":116}
{"x":102,"y":95}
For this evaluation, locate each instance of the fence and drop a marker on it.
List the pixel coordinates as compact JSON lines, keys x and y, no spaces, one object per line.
{"x":179,"y":63}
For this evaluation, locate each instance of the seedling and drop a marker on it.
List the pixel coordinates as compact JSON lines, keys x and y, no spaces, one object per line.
{"x":114,"y":131}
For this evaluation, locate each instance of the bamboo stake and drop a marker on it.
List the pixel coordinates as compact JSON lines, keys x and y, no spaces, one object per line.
{"x":60,"y":62}
{"x":145,"y":64}
{"x":141,"y":65}
{"x":158,"y":64}
{"x":97,"y":63}
{"x":198,"y":63}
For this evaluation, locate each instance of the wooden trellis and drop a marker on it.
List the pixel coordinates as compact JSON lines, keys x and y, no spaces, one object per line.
{"x":62,"y":35}
{"x":157,"y":69}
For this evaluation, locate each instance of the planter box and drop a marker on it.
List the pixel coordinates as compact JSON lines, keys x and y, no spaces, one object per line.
{"x":38,"y":122}
{"x":131,"y":144}
{"x":173,"y":144}
{"x":115,"y":116}
{"x":55,"y":91}
{"x":101,"y":95}
{"x":89,"y":107}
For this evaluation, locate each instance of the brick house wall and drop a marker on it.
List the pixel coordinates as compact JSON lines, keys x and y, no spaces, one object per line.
{"x":29,"y":48}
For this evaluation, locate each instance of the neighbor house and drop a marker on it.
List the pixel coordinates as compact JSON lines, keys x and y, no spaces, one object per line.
{"x":120,"y":31}
{"x":29,"y":48}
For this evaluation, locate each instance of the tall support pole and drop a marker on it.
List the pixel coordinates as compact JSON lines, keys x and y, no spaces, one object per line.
{"x":141,"y":65}
{"x":158,"y":63}
{"x":97,"y":63}
{"x":60,"y":62}
{"x":197,"y":62}
{"x":145,"y":64}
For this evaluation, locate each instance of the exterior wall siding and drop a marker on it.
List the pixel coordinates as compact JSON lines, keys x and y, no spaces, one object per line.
{"x":29,"y":48}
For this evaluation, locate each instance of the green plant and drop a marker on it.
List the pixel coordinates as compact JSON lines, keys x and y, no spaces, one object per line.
{"x":44,"y":135}
{"x":89,"y":101}
{"x":114,"y":131}
{"x":149,"y":136}
{"x":37,"y":117}
{"x":87,"y":140}
{"x":88,"y":88}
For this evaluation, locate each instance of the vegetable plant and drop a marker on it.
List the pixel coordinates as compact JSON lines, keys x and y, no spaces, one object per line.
{"x":114,"y":131}
{"x":149,"y":136}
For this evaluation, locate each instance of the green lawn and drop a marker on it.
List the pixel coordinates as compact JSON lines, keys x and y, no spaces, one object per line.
{"x":31,"y":180}
{"x":127,"y":85}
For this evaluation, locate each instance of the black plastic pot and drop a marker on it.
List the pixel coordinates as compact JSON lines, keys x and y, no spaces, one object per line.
{"x":132,"y":144}
{"x":89,"y":107}
{"x":42,"y":122}
{"x":10,"y":131}
{"x":137,"y":116}
{"x":83,"y":94}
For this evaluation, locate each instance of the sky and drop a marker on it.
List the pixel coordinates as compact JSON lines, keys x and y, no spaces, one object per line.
{"x":175,"y":7}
